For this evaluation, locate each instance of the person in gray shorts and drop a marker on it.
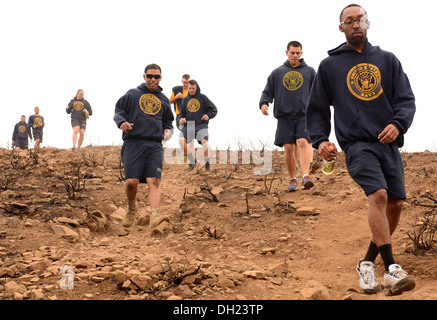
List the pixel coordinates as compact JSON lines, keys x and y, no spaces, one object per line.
{"x":80,"y":109}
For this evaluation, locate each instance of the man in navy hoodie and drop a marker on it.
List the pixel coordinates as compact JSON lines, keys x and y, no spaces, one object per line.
{"x":373,"y":108}
{"x":21,"y":134}
{"x":145,"y":117}
{"x":197,"y":109}
{"x":289,"y":87}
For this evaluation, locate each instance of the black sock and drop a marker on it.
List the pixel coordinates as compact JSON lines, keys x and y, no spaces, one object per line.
{"x":386,"y":255}
{"x":372,"y":252}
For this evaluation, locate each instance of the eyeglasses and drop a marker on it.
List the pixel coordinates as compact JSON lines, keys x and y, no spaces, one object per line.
{"x":151,"y":76}
{"x":362,"y":22}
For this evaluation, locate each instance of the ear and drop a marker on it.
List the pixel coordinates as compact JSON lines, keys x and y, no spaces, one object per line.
{"x":340,"y":27}
{"x":144,"y":77}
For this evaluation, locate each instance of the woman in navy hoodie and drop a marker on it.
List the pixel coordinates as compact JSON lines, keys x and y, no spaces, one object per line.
{"x":373,"y":108}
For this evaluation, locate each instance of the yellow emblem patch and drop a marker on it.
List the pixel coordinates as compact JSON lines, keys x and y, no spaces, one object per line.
{"x":364,"y":81}
{"x":193,"y":105}
{"x":293,"y":80}
{"x":150,"y":104}
{"x":78,"y":105}
{"x":22,"y":129}
{"x":37,"y":121}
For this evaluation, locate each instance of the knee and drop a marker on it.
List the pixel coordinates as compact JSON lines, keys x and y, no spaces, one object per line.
{"x":379,"y":197}
{"x":153,"y":182}
{"x":302,"y":143}
{"x":130,"y":185}
{"x":288,"y":148}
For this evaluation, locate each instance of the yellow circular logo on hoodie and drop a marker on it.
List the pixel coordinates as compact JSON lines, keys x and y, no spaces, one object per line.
{"x":78,"y":105}
{"x":293,"y":80}
{"x":150,"y":104}
{"x":22,"y":129}
{"x":193,"y":105}
{"x":364,"y":81}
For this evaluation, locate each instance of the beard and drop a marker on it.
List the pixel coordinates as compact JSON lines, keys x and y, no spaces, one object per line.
{"x":357,"y":41}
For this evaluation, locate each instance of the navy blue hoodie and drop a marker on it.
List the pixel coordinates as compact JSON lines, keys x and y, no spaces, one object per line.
{"x":150,"y":113}
{"x":289,"y":87}
{"x":21,"y":131}
{"x":77,"y":107}
{"x":193,"y":108}
{"x":368,"y":91}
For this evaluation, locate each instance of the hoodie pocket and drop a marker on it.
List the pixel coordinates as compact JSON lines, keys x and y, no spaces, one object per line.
{"x":369,"y":123}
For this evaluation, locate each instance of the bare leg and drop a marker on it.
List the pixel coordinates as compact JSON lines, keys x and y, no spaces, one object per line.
{"x":290,"y":159}
{"x":306,"y":155}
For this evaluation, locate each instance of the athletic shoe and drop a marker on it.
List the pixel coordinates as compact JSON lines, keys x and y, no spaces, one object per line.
{"x":314,"y":166}
{"x":397,"y":281}
{"x":366,"y":277}
{"x":129,"y":218}
{"x":292,"y":186}
{"x":191,"y":166}
{"x":307,"y":182}
{"x":207,"y":167}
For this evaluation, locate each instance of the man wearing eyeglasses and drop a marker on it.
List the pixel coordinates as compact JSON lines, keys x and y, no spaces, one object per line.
{"x":373,"y":108}
{"x":145,"y":117}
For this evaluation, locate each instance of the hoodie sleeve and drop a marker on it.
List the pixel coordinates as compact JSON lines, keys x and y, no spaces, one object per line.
{"x":183,"y":109}
{"x":14,"y":133}
{"x":403,"y":102}
{"x":268,"y":92}
{"x":318,"y":115}
{"x":70,"y":107}
{"x":167,"y":117}
{"x":121,"y":110}
{"x":88,"y":107}
{"x":212,"y":109}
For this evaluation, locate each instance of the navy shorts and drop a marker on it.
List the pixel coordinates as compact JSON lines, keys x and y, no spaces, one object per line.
{"x":374,"y":166}
{"x":289,"y":130}
{"x":78,"y":123}
{"x":21,"y":143}
{"x":142,"y":159}
{"x":37,"y":134}
{"x":199,"y":134}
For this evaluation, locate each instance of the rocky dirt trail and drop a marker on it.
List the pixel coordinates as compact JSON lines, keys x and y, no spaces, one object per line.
{"x":233,"y":235}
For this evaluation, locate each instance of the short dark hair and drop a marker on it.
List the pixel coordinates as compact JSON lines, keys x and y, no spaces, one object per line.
{"x":295,"y":44}
{"x":153,"y":66}
{"x":186,"y":76}
{"x":193,"y":82}
{"x":350,"y":6}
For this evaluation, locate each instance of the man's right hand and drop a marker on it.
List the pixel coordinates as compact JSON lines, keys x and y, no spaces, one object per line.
{"x":328,"y":151}
{"x":265,"y":110}
{"x":126,"y":126}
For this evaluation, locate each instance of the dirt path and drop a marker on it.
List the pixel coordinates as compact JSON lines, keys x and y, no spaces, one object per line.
{"x":254,"y":243}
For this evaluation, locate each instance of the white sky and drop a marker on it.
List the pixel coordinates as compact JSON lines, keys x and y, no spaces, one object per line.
{"x":52,"y":48}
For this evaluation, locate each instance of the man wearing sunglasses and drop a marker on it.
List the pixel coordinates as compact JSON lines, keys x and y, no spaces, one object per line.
{"x":373,"y":108}
{"x":145,"y":117}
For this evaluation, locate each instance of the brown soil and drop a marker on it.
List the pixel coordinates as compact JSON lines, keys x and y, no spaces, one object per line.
{"x":257,"y":241}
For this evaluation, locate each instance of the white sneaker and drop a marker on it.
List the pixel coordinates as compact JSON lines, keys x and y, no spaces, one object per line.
{"x":366,"y":276}
{"x":397,"y":281}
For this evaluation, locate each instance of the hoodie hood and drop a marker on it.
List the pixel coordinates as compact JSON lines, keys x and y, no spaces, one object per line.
{"x":367,"y":49}
{"x":301,"y":65}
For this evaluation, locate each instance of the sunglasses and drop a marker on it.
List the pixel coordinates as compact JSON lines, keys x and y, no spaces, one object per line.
{"x":151,"y":76}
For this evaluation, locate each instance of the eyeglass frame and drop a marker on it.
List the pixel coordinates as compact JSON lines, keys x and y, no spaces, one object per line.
{"x":358,"y":20}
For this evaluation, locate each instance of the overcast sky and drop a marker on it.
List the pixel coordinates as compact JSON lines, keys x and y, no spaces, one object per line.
{"x":52,"y":48}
